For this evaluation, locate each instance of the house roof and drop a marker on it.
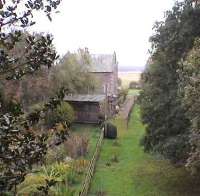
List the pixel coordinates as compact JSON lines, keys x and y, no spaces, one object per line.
{"x":85,"y":98}
{"x":102,"y":63}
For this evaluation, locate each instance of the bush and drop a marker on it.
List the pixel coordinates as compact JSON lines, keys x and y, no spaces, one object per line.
{"x":175,"y":148}
{"x":31,"y":184}
{"x":36,"y":107}
{"x":134,"y":85}
{"x":57,"y":171}
{"x":64,"y":113}
{"x":56,"y":154}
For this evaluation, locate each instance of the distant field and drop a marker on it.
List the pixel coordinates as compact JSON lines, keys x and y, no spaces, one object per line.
{"x":128,"y":77}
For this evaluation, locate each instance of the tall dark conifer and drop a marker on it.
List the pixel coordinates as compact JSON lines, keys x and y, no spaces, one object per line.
{"x":168,"y":126}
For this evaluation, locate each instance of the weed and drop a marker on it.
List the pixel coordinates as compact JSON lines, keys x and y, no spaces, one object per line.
{"x":115,"y":159}
{"x":77,"y":146}
{"x":116,"y":143}
{"x":72,"y":178}
{"x":63,"y":189}
{"x":80,"y":165}
{"x":100,"y":193}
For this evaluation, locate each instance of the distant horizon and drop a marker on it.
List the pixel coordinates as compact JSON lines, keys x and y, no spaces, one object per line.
{"x":122,"y":68}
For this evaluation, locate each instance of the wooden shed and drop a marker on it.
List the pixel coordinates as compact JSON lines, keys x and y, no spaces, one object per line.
{"x":88,"y":108}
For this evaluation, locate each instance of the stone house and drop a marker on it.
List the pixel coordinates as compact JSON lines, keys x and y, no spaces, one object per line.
{"x":89,"y":108}
{"x":104,"y":67}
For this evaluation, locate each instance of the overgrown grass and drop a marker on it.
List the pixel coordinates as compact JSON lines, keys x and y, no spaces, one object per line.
{"x":69,"y":179}
{"x":92,"y":131}
{"x":137,"y":173}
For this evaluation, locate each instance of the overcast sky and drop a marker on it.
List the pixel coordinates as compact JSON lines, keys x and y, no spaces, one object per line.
{"x":105,"y":26}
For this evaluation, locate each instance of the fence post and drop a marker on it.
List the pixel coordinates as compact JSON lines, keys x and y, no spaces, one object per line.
{"x":91,"y":167}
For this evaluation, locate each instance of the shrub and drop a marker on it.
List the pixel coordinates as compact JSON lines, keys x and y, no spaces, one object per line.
{"x":57,"y":171}
{"x":77,"y":146}
{"x":31,"y":184}
{"x":56,"y":154}
{"x":175,"y":148}
{"x":37,"y":127}
{"x":134,"y":85}
{"x":34,"y":183}
{"x":36,"y":107}
{"x":64,"y":113}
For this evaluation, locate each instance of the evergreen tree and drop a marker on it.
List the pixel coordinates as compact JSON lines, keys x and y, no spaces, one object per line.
{"x":168,"y":126}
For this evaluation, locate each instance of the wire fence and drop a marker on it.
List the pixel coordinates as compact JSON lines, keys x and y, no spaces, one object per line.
{"x":91,"y":168}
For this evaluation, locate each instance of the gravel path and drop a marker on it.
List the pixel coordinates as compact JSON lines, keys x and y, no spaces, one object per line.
{"x":127,"y":107}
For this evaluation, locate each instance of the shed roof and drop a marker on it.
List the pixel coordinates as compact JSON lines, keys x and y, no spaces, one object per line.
{"x":85,"y":98}
{"x":102,"y":63}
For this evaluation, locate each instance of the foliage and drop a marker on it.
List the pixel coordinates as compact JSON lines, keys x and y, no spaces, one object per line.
{"x":20,"y":149}
{"x":72,"y":71}
{"x":34,"y":89}
{"x":56,"y":154}
{"x":63,"y":113}
{"x":167,"y":123}
{"x":72,"y":178}
{"x":44,"y":190}
{"x":134,"y":85}
{"x":57,"y":171}
{"x":31,"y":184}
{"x":44,"y":182}
{"x":77,"y":146}
{"x":190,"y":90}
{"x":92,"y":132}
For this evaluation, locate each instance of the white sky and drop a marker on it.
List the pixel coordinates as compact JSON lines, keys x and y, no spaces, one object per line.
{"x":105,"y":26}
